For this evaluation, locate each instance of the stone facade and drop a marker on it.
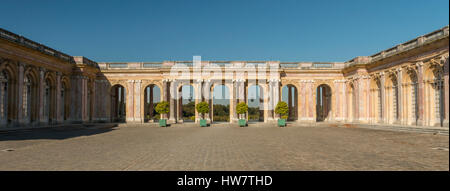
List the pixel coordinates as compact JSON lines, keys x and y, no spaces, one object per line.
{"x":406,"y":85}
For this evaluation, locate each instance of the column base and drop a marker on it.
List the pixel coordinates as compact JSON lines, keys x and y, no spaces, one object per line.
{"x":172,"y":121}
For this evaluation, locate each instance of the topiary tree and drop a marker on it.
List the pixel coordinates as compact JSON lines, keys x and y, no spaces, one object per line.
{"x":202,"y":108}
{"x":241,"y":108}
{"x":162,"y":107}
{"x":282,"y":109}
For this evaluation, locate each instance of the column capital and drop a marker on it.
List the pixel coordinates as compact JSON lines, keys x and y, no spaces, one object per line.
{"x":42,"y":69}
{"x":21,"y":64}
{"x":419,"y":64}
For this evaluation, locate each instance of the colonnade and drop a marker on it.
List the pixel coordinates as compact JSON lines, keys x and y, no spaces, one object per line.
{"x":32,"y":95}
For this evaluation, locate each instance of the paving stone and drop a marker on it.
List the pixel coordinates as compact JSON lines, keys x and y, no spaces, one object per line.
{"x":223,"y":147}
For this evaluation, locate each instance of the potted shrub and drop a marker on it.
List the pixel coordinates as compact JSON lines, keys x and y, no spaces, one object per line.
{"x":162,"y":108}
{"x":282,"y":109}
{"x":241,"y":109}
{"x":202,"y":108}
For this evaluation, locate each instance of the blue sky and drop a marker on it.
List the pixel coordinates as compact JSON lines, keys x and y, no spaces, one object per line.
{"x":287,"y":30}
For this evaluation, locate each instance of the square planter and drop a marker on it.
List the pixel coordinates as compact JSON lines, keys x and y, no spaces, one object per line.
{"x":281,"y":122}
{"x":162,"y":123}
{"x":242,"y":122}
{"x":203,"y":123}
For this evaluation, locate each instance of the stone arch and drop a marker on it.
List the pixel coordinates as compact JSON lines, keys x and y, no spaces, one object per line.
{"x":376,"y":109}
{"x":65,"y":97}
{"x":228,"y":86}
{"x":224,"y":96}
{"x":410,"y":89}
{"x":323,"y":97}
{"x":148,"y":101}
{"x":118,"y":99}
{"x":351,"y":101}
{"x":8,"y":92}
{"x":30,"y":95}
{"x":178,"y":99}
{"x":292,"y":99}
{"x":434,"y":94}
{"x":263,"y":93}
{"x":49,"y":97}
{"x":392,"y":96}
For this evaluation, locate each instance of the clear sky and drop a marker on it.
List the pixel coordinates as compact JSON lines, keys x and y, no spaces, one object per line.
{"x":287,"y":30}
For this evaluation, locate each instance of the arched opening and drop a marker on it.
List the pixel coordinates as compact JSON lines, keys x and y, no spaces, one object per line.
{"x":434,"y":90}
{"x":186,"y":104}
{"x":6,"y":95}
{"x":221,"y":104}
{"x":65,"y":100}
{"x":323,"y":102}
{"x":118,"y":102}
{"x":90,"y":99}
{"x":290,"y":96}
{"x":351,"y":102}
{"x":49,"y":100}
{"x":151,"y":99}
{"x":411,"y":111}
{"x":255,"y":101}
{"x":392,"y":98}
{"x":376,"y":100}
{"x":30,"y":98}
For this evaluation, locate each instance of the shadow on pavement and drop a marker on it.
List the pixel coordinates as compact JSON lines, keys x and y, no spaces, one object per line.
{"x":57,"y":133}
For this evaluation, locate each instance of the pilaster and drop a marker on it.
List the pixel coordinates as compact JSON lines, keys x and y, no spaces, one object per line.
{"x":19,"y":106}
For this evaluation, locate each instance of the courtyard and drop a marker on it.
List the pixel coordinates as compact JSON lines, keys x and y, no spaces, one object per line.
{"x":259,"y":146}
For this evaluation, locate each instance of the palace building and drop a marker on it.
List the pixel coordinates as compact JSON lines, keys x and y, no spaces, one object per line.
{"x":405,"y":85}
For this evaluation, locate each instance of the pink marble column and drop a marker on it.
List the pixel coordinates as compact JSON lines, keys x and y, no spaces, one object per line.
{"x":383,"y":98}
{"x":165,"y":95}
{"x":420,"y":93}
{"x":400,"y":95}
{"x":446,"y":92}
{"x":171,"y":98}
{"x":137,"y":102}
{"x":19,"y":105}
{"x":59,"y":101}
{"x":276,"y":96}
{"x":2,"y":101}
{"x":311,"y":103}
{"x":130,"y":101}
{"x":41,"y":94}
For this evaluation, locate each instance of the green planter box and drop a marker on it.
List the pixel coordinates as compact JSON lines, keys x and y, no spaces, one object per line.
{"x":203,"y":123}
{"x":242,"y":122}
{"x":281,"y":122}
{"x":162,"y":123}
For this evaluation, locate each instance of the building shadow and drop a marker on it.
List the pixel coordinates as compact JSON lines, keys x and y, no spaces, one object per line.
{"x":55,"y":133}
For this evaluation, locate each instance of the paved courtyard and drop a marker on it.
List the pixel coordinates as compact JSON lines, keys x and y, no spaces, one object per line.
{"x":221,"y":147}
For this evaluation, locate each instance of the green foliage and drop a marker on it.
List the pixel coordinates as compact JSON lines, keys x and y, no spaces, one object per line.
{"x":162,"y":107}
{"x":253,"y":117}
{"x":253,"y":111}
{"x":241,"y":108}
{"x":221,"y":112}
{"x":192,"y":118}
{"x":282,"y":108}
{"x":202,"y":108}
{"x":284,"y":117}
{"x":189,"y":109}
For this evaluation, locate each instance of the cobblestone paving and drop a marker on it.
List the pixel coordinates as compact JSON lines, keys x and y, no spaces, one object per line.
{"x":223,"y":147}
